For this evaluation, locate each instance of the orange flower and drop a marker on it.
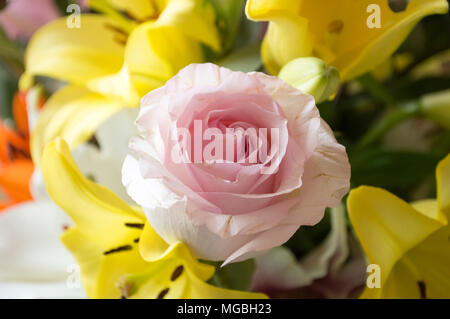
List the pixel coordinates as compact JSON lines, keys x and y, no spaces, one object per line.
{"x":16,"y":166}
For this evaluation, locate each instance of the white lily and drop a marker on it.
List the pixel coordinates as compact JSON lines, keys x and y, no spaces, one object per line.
{"x":33,"y":261}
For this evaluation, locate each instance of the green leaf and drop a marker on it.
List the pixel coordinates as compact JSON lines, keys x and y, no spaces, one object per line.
{"x":235,"y":276}
{"x":309,"y":237}
{"x":376,"y":89}
{"x":229,"y":15}
{"x":11,"y":53}
{"x":8,"y":86}
{"x":246,"y":59}
{"x":391,"y":169}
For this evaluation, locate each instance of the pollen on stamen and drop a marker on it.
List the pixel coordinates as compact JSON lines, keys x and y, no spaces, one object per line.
{"x":118,"y":249}
{"x":163,"y":293}
{"x":422,"y":289}
{"x":335,"y":26}
{"x":177,"y":273}
{"x":398,"y":5}
{"x":135,"y":225}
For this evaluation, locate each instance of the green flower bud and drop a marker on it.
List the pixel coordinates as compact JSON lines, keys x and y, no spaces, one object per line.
{"x":311,"y":76}
{"x":436,"y":106}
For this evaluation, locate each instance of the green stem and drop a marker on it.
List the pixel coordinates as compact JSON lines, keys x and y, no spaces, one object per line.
{"x":217,"y":281}
{"x":376,"y":89}
{"x":402,"y":113}
{"x":11,"y":53}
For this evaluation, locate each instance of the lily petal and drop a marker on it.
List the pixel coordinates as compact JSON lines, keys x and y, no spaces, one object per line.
{"x":15,"y":179}
{"x":153,"y":50}
{"x":72,"y":113}
{"x":443,"y":185}
{"x":383,"y":220}
{"x":138,"y":9}
{"x":91,"y":240}
{"x":76,"y":55}
{"x":196,"y":18}
{"x":33,"y":262}
{"x":337,"y":31}
{"x":77,"y":195}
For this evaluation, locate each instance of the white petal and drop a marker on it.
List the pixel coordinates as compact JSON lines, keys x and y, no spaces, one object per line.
{"x":30,"y":249}
{"x":39,"y":290}
{"x":115,"y":133}
{"x":279,"y":269}
{"x":37,"y":186}
{"x":332,"y":253}
{"x":104,"y":164}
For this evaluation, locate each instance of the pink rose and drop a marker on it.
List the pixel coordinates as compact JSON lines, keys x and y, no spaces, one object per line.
{"x":229,"y":195}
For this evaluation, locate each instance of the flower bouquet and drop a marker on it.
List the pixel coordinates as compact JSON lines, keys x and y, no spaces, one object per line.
{"x":224,"y":149}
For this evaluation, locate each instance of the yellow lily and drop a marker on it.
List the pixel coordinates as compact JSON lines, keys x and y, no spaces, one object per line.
{"x":113,"y":59}
{"x":410,"y":242}
{"x":119,"y":253}
{"x":343,"y":33}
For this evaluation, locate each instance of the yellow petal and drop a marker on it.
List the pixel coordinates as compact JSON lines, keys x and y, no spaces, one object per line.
{"x":159,"y":52}
{"x":151,"y":246}
{"x":138,"y":9}
{"x":73,"y":113}
{"x":443,"y":185}
{"x":76,"y":55}
{"x":287,"y":37}
{"x":117,"y":87}
{"x":373,"y":46}
{"x":265,"y":9}
{"x":387,"y":227}
{"x":175,"y":273}
{"x":77,"y":195}
{"x":336,"y":31}
{"x":100,"y":273}
{"x":431,"y":261}
{"x":429,"y":207}
{"x":195,"y":18}
{"x":423,"y":272}
{"x":103,"y":223}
